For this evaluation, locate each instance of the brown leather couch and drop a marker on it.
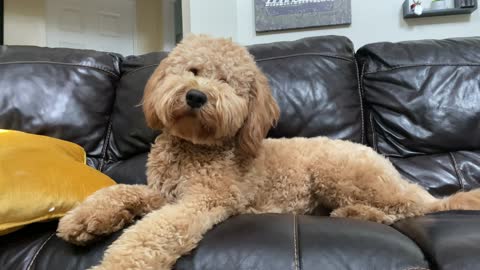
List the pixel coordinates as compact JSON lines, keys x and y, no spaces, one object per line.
{"x":417,"y":103}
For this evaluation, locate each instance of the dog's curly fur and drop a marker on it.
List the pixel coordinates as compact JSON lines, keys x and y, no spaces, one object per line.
{"x":213,"y":162}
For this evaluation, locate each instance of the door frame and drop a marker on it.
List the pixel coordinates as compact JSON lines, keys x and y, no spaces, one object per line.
{"x":1,"y":22}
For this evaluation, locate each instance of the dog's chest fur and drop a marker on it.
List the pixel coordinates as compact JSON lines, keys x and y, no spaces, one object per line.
{"x":261,"y":185}
{"x":175,"y":165}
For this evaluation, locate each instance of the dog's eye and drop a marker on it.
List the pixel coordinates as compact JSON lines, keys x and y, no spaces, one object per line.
{"x":223,"y":80}
{"x":194,"y":71}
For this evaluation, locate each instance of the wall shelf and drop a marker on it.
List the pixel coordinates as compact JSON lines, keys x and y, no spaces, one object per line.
{"x":408,"y":14}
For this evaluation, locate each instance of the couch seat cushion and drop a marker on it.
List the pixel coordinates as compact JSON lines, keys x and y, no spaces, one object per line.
{"x":244,"y":242}
{"x":277,"y":242}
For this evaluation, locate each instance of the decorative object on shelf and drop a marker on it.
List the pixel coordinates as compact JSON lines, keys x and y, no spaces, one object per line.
{"x":271,"y":15}
{"x":438,"y":4}
{"x":416,"y":7}
{"x":460,"y":7}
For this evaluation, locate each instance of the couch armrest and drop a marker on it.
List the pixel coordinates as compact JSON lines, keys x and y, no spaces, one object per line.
{"x":451,"y":240}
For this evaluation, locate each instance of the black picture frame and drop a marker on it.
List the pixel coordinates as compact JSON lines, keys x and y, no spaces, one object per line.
{"x":1,"y":22}
{"x":274,"y":15}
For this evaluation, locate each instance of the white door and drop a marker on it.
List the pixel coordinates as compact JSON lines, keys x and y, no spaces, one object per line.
{"x":104,"y":25}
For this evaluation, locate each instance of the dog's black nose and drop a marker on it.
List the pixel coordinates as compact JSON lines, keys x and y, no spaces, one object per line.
{"x":196,"y":99}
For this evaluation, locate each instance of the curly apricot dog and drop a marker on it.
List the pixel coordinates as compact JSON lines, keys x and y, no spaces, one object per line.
{"x":214,"y":107}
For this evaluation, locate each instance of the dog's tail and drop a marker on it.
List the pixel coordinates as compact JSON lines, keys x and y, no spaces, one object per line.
{"x":469,"y":200}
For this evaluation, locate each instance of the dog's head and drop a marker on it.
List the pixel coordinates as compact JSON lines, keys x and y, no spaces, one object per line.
{"x":210,"y":91}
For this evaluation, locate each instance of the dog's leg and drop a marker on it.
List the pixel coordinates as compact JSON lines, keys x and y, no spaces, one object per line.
{"x":106,"y":211}
{"x":357,"y":182}
{"x":363,"y":212}
{"x":469,"y":200}
{"x":161,"y":237}
{"x":365,"y":185}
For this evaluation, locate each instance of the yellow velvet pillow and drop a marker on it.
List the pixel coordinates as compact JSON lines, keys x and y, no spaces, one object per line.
{"x":41,"y":178}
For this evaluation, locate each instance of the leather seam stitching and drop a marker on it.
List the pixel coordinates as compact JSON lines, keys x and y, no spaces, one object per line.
{"x":304,"y":54}
{"x":295,"y":243}
{"x":259,"y":60}
{"x":139,"y":69}
{"x":459,"y":174}
{"x":111,"y":72}
{"x":374,"y":139}
{"x":363,"y":73}
{"x":107,"y":142}
{"x":361,"y":79}
{"x":428,"y":154}
{"x":425,"y":65}
{"x":359,"y":89}
{"x":38,"y":251}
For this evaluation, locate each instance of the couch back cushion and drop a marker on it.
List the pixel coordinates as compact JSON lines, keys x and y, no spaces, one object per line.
{"x":314,"y":80}
{"x":423,"y":109}
{"x":130,"y":138}
{"x":62,"y":93}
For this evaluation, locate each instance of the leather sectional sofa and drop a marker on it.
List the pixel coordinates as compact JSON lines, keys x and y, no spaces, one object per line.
{"x":415,"y":102}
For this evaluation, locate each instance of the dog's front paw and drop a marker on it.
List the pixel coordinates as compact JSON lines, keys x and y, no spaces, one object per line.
{"x":85,"y":224}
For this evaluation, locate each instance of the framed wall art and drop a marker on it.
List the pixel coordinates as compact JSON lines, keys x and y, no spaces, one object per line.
{"x":274,"y":15}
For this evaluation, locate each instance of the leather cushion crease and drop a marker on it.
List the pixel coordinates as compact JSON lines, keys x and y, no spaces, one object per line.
{"x":416,"y":102}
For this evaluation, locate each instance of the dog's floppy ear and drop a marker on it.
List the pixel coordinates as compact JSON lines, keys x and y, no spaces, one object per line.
{"x":264,"y":114}
{"x":149,"y":98}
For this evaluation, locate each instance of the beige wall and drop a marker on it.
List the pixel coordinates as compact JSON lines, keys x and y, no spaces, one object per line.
{"x":372,"y":21}
{"x":218,"y":17}
{"x":25,"y":24}
{"x":149,"y":30}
